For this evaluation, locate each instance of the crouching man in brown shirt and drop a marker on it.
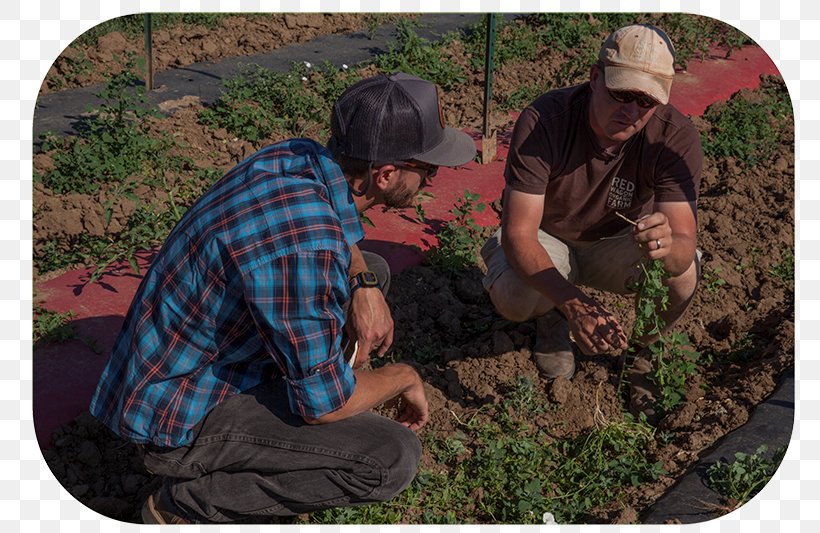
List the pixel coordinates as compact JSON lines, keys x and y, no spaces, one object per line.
{"x":580,"y":156}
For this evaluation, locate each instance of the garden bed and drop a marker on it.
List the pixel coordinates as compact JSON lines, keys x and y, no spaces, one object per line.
{"x":502,"y":446}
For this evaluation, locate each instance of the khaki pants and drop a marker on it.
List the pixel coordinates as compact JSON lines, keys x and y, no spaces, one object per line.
{"x":611,"y":264}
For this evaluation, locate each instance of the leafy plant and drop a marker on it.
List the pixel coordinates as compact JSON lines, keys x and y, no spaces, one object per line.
{"x":415,"y":55}
{"x":712,"y":280}
{"x":510,"y":473}
{"x":673,"y":360}
{"x":459,"y":238}
{"x":747,"y":128}
{"x":743,"y":349}
{"x":114,"y":144}
{"x":783,"y":270}
{"x":114,"y":155}
{"x":259,"y":103}
{"x":524,"y":398}
{"x":70,"y":68}
{"x":51,"y":326}
{"x":741,"y":479}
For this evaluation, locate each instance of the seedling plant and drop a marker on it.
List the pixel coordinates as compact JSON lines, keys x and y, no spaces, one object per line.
{"x":673,"y":361}
{"x":497,"y":468}
{"x":51,"y":326}
{"x":459,"y":238}
{"x":740,"y":480}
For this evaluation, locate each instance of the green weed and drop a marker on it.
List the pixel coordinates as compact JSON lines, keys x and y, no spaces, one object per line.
{"x":712,"y":281}
{"x":673,"y":360}
{"x":113,"y":156}
{"x":521,"y":97}
{"x":113,"y":146}
{"x":748,"y":128}
{"x":260,"y":104}
{"x":743,"y":349}
{"x":525,"y":399}
{"x":71,"y":68}
{"x":741,"y":479}
{"x":374,"y":20}
{"x":783,"y":270}
{"x":496,"y":469}
{"x":458,"y":239}
{"x":132,"y":26}
{"x":415,"y":55}
{"x":51,"y":326}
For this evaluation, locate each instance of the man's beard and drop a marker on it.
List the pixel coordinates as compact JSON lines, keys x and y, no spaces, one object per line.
{"x":400,"y":197}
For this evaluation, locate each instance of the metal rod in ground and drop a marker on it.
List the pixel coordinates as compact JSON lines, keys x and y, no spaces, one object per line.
{"x":149,"y":53}
{"x":488,"y":137}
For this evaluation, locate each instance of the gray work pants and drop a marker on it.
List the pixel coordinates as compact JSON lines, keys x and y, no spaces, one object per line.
{"x":252,"y":457}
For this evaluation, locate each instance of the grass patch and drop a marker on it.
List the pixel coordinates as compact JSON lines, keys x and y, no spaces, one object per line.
{"x":749,"y":127}
{"x":261,"y":104}
{"x":497,"y":469}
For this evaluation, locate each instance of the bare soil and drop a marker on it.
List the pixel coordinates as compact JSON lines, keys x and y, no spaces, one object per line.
{"x":81,"y":65}
{"x":746,"y":218}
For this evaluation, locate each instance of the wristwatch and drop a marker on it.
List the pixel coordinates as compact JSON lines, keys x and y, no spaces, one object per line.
{"x":363,"y":279}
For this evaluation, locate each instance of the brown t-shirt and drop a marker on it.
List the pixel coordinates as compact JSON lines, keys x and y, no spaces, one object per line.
{"x":554,"y":152}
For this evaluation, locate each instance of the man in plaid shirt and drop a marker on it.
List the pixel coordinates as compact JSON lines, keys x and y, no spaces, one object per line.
{"x":231,"y":371}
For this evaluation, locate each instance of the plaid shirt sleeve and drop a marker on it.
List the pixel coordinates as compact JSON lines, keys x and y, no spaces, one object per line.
{"x":296,"y":304}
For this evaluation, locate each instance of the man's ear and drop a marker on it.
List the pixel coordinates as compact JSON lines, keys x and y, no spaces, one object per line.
{"x":594,"y":74}
{"x":382,"y":176}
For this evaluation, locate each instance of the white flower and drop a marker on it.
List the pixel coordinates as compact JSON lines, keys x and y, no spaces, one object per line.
{"x":344,"y":67}
{"x":304,"y":78}
{"x":307,"y":64}
{"x":549,"y":519}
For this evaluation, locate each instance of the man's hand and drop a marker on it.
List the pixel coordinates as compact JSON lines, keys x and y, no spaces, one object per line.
{"x":654,"y":235}
{"x":370,"y":323}
{"x":596,"y":331}
{"x":413,"y":408}
{"x":375,"y":387}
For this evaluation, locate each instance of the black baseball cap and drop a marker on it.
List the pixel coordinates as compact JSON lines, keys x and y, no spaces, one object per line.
{"x":396,"y":118}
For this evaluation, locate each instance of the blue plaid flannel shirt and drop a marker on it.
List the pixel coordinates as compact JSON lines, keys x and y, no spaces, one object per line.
{"x":248,"y":287}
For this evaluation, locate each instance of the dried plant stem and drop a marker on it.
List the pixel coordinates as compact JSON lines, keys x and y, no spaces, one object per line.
{"x":627,"y":219}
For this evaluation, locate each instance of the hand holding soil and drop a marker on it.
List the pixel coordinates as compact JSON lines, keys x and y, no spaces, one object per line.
{"x":595,"y":330}
{"x":413,"y":409}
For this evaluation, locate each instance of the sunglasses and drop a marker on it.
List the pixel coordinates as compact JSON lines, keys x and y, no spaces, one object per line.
{"x":428,"y":169}
{"x":627,"y":97}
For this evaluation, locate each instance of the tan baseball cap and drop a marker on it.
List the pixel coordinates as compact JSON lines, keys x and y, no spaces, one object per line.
{"x":639,"y":58}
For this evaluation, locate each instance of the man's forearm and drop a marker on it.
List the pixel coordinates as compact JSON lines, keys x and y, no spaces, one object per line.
{"x":681,"y":256}
{"x":373,"y":388}
{"x":357,"y":262}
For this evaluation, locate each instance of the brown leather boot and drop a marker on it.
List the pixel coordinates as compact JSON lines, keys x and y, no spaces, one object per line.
{"x":552,"y":350}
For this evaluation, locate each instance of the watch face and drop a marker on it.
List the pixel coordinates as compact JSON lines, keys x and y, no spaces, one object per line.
{"x":369,"y":279}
